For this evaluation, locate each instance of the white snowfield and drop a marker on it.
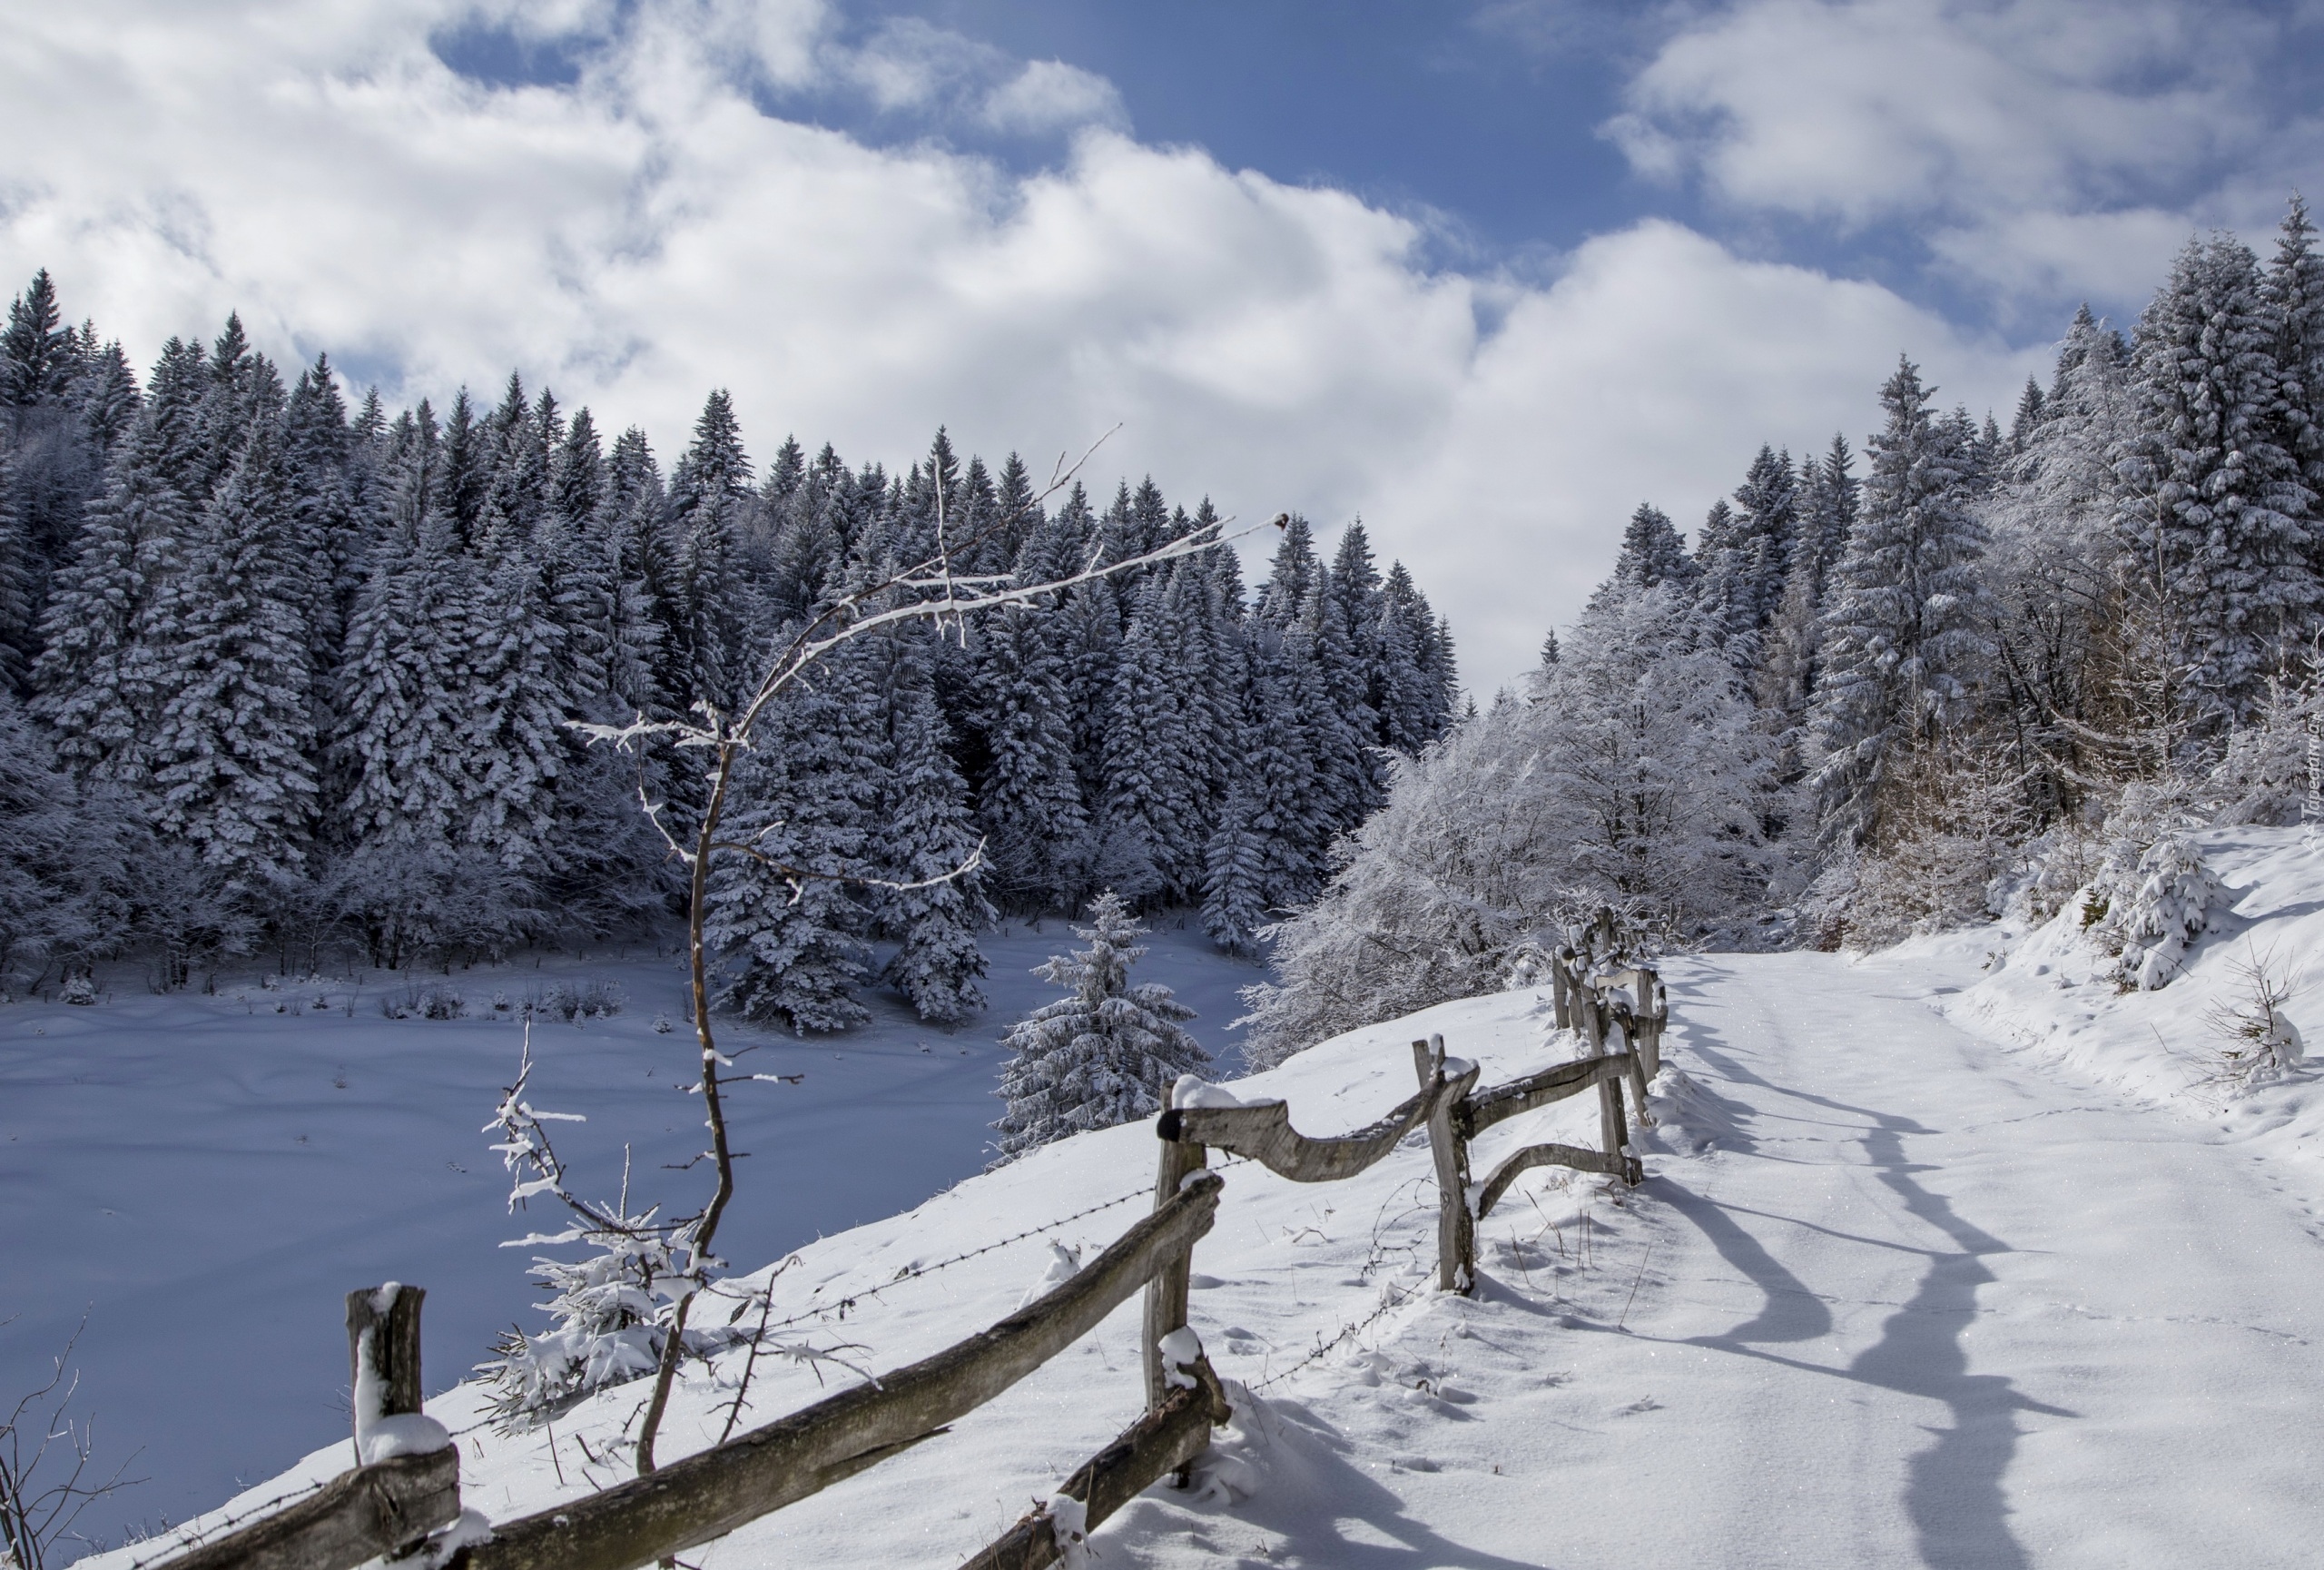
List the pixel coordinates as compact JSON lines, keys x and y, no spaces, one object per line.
{"x":1894,"y":1294}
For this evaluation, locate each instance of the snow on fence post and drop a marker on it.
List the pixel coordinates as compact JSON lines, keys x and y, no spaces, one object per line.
{"x":1165,"y":1292}
{"x":383,"y":1355}
{"x":405,"y":1481}
{"x":1456,"y":1223}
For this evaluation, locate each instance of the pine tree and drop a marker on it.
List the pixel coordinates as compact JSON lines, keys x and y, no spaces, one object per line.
{"x":512,"y":720}
{"x":1107,"y":1054}
{"x":2292,"y":298}
{"x":2212,"y":512}
{"x":233,"y":752}
{"x":1291,"y":577}
{"x":1902,"y":627}
{"x":1147,"y":844}
{"x":401,"y":677}
{"x":37,"y":359}
{"x":792,"y":945}
{"x":1036,"y":832}
{"x":924,"y":833}
{"x":1652,"y":553}
{"x":709,"y":491}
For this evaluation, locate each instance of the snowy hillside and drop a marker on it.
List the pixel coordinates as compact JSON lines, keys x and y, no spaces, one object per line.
{"x":2049,"y":990}
{"x":248,"y":1167}
{"x":1894,"y":1293}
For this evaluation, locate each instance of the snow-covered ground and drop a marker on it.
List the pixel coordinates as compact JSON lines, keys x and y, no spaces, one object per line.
{"x":205,"y":1178}
{"x":1894,"y":1293}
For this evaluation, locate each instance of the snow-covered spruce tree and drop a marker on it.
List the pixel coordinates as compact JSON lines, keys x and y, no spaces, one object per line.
{"x":2056,"y":682}
{"x":1035,"y":834}
{"x":792,"y":947}
{"x":1903,"y":625}
{"x":64,"y":871}
{"x":2293,"y":295}
{"x":922,"y":830}
{"x":2214,"y":522}
{"x":93,"y":680}
{"x":512,"y":716}
{"x":1145,"y":851}
{"x":234,"y":748}
{"x":1652,"y":553}
{"x":1107,"y":1054}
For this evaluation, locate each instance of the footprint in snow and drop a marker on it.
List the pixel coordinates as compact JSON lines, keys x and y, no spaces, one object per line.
{"x":1643,"y":1404}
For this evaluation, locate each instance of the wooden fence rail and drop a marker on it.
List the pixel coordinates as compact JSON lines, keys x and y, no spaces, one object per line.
{"x":402,"y":1491}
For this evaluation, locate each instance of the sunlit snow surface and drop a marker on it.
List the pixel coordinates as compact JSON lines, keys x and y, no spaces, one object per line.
{"x":207,"y":1179}
{"x":1894,"y":1293}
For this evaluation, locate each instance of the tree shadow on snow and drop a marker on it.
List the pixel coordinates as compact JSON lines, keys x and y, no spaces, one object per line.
{"x":1953,"y":1492}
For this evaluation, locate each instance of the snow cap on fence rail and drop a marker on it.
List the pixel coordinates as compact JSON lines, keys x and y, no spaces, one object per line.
{"x":1194,"y":1091}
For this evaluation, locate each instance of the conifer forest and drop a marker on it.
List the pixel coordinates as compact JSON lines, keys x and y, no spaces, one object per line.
{"x":289,"y":673}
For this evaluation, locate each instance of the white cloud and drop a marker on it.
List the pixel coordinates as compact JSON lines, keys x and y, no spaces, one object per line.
{"x":1857,"y":110}
{"x":650,"y":232}
{"x":1051,"y":96}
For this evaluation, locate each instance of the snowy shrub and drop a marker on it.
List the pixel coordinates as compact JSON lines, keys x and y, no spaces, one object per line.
{"x":610,"y":1310}
{"x":2268,"y":773}
{"x":2257,"y":1041}
{"x":77,"y":989}
{"x":2055,"y":870}
{"x":607,"y":1323}
{"x":1107,"y":1054}
{"x":2147,"y":913}
{"x":591,"y":1000}
{"x":418,"y":1000}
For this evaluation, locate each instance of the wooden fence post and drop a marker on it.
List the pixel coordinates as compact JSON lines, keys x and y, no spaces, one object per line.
{"x":1456,"y":1225}
{"x":1559,"y":987}
{"x":1649,"y":1033}
{"x":383,"y":1353}
{"x":1165,"y":1294}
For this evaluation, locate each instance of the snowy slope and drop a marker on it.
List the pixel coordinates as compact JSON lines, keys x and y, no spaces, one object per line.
{"x":2047,"y":991}
{"x":1892,"y":1295}
{"x":205,"y":1178}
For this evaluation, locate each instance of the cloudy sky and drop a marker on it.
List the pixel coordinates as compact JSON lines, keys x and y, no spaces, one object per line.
{"x":1488,"y":274}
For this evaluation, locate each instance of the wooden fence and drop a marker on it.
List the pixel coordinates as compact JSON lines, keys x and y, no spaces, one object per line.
{"x":394,"y":1507}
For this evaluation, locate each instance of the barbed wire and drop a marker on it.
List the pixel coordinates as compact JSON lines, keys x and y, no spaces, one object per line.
{"x":1381,"y":1312}
{"x":187,"y":1536}
{"x":840,"y":1307}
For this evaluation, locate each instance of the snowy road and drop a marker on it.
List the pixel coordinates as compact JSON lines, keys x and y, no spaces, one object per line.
{"x":1928,"y":1305}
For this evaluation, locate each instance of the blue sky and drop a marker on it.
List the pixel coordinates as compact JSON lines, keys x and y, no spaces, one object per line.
{"x":1486,"y":274}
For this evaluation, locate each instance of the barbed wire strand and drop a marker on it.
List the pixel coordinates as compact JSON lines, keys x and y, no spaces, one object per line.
{"x":185,"y":1537}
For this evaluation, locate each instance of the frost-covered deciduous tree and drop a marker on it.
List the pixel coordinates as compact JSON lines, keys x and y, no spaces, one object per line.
{"x":1630,"y":775}
{"x":1107,"y":1054}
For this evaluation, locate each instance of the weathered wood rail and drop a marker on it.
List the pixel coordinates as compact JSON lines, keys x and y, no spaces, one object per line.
{"x":404,"y":1491}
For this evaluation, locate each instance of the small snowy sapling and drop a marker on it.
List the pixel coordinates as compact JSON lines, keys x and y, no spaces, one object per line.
{"x":1107,"y":1054}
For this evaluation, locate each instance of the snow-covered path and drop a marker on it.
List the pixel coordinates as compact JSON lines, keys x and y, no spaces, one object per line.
{"x":1927,"y":1305}
{"x":1891,"y":1295}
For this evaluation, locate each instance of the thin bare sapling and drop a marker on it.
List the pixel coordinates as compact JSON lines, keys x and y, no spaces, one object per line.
{"x":928,"y":591}
{"x":47,"y":1461}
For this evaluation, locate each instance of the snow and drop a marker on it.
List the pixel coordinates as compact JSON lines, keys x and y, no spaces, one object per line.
{"x":404,"y":1433}
{"x":1193,"y":1090}
{"x":206,"y":1178}
{"x":1897,"y":1291}
{"x":1181,"y":1350}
